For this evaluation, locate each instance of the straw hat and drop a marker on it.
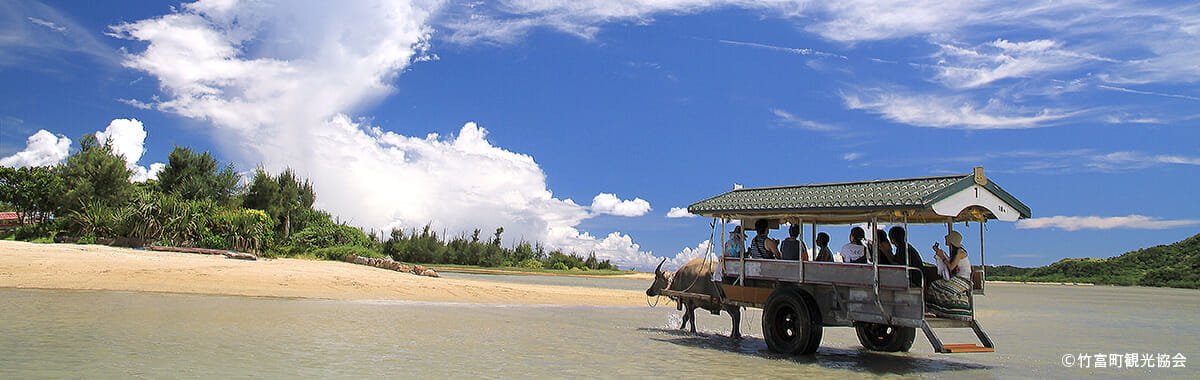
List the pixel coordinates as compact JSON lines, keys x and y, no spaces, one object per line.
{"x":954,"y":238}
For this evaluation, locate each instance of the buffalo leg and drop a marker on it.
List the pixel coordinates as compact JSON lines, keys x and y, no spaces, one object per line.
{"x":736,"y":314}
{"x":691,"y":316}
{"x":687,"y":314}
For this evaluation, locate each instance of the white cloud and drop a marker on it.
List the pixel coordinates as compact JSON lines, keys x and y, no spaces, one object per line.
{"x":783,"y":49}
{"x":680,"y":212}
{"x":851,"y":156}
{"x":1075,"y":223}
{"x":30,"y":30}
{"x":1062,"y":161}
{"x":605,"y":203}
{"x":962,"y":67}
{"x":41,"y":149}
{"x":702,"y":250}
{"x":128,"y":139}
{"x":949,"y":111}
{"x":1132,"y":91}
{"x":285,"y":103}
{"x":1162,"y":33}
{"x":47,"y":24}
{"x":787,"y":119}
{"x":1137,"y":160}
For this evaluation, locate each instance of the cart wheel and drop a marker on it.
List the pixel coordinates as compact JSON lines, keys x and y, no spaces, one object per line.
{"x":791,"y":324}
{"x":887,"y":338}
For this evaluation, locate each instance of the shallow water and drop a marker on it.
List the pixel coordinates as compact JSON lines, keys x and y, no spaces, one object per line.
{"x":52,"y":333}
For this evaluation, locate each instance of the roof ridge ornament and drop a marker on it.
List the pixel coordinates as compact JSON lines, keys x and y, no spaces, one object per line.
{"x":980,"y":179}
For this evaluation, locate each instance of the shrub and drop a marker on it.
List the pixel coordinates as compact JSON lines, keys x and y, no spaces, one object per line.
{"x":31,"y":232}
{"x":95,"y":219}
{"x":324,"y":235}
{"x":559,"y":266}
{"x":213,"y":241}
{"x":245,"y":230}
{"x":531,"y":264}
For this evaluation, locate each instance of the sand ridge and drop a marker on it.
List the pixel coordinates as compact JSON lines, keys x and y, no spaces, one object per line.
{"x":98,"y":267}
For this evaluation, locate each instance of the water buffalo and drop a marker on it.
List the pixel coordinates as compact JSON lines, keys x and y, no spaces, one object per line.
{"x":694,"y":277}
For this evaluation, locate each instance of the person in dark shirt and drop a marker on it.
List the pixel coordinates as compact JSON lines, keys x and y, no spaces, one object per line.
{"x":792,"y":248}
{"x":907,"y":256}
{"x":822,"y":248}
{"x":883,"y":249}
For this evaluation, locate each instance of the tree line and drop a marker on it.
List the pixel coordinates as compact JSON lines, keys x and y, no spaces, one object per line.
{"x":1176,"y":265}
{"x":198,"y":201}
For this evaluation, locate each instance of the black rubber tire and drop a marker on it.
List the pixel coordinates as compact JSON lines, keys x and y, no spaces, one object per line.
{"x":791,"y":323}
{"x":886,"y":338}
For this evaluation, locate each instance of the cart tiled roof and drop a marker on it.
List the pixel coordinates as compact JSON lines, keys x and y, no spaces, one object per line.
{"x":903,"y":193}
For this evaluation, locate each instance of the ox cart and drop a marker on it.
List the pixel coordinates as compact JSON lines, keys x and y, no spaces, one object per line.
{"x":884,"y":303}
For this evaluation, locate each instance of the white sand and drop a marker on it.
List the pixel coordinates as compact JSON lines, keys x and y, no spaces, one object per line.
{"x":96,"y":267}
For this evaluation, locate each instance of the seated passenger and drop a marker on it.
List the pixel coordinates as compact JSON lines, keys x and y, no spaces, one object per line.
{"x":854,"y":251}
{"x":948,"y":295}
{"x":792,"y":248}
{"x":763,"y":247}
{"x":822,"y":248}
{"x":736,"y":245}
{"x":906,"y":256}
{"x":883,"y":249}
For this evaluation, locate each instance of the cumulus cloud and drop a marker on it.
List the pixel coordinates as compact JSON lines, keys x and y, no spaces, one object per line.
{"x":605,"y":203}
{"x":950,"y":112}
{"x":128,"y":139}
{"x":1075,"y":223}
{"x":680,"y":212}
{"x":278,"y":82}
{"x":700,"y":251}
{"x":41,"y":149}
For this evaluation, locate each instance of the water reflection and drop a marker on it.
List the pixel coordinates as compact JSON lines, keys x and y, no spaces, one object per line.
{"x":826,"y":357}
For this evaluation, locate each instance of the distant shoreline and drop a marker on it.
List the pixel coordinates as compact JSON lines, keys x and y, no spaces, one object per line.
{"x":441,"y":269}
{"x":1041,"y":283}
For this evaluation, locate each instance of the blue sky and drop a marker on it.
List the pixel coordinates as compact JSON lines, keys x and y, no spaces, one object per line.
{"x":584,"y":123}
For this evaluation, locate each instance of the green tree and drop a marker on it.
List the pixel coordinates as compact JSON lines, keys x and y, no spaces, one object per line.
{"x":94,"y":175}
{"x":286,"y":198}
{"x":194,"y":176}
{"x":32,"y":191}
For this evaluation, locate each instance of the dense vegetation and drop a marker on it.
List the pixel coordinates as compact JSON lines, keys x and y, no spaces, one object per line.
{"x":1176,"y":265}
{"x":197,"y":202}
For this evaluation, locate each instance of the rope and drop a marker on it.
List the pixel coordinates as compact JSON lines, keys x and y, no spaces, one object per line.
{"x":712,"y":224}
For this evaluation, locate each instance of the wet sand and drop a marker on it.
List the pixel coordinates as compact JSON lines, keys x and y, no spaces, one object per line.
{"x":97,"y":267}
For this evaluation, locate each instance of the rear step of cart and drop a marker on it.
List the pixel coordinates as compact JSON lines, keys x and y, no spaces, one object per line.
{"x":956,"y":348}
{"x":968,"y":347}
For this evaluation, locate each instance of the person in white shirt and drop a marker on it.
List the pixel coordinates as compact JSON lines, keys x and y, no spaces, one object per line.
{"x":854,"y":251}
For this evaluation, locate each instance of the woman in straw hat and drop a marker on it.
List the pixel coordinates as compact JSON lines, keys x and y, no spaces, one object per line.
{"x":948,"y":295}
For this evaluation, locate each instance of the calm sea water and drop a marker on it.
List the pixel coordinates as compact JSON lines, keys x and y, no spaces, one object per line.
{"x":100,"y":334}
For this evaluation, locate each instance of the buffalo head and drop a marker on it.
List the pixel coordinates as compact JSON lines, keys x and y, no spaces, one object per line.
{"x":661,"y":280}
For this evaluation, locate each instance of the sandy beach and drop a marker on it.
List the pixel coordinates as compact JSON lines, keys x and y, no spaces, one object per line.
{"x":97,"y":267}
